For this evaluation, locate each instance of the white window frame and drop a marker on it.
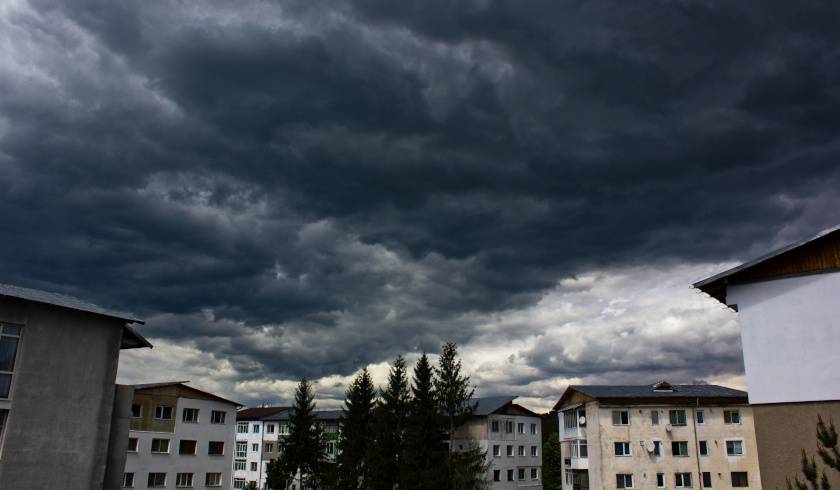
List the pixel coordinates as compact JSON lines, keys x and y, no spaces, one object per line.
{"x":700,"y":451}
{"x":533,"y":429}
{"x":136,"y":445}
{"x":534,"y":452}
{"x":509,"y":451}
{"x":624,"y":477}
{"x":521,"y":451}
{"x":168,"y":446}
{"x":190,"y":410}
{"x":128,"y":479}
{"x":160,"y":412}
{"x":218,"y":417}
{"x":242,"y":427}
{"x":660,"y":476}
{"x":731,"y":412}
{"x":680,"y":444}
{"x":742,"y":445}
{"x":626,"y":449}
{"x":700,"y":417}
{"x":240,"y":465}
{"x":256,"y":429}
{"x":244,"y":452}
{"x":703,"y":479}
{"x":494,"y":426}
{"x":139,"y":412}
{"x":622,"y":414}
{"x":210,"y":444}
{"x":217,"y":478}
{"x":269,"y":428}
{"x":179,"y":480}
{"x":520,"y":428}
{"x":674,"y":417}
{"x":155,"y":485}
{"x":679,"y":480}
{"x":497,"y":450}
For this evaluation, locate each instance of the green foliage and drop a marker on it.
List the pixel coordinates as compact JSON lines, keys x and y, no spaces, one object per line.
{"x":304,"y":449}
{"x":390,"y":418}
{"x":275,"y":476}
{"x":424,"y":454}
{"x":827,"y":449}
{"x":552,"y":464}
{"x":357,"y":425}
{"x":468,"y":469}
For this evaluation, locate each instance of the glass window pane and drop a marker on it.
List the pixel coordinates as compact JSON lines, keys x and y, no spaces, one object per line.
{"x":8,"y":350}
{"x":11,"y":329}
{"x":5,"y":385}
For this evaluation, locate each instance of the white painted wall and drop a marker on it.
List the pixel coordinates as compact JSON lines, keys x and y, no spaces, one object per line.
{"x":143,"y":462}
{"x":790,"y":334}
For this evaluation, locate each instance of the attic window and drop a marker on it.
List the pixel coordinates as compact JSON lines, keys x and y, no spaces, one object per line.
{"x":663,"y":387}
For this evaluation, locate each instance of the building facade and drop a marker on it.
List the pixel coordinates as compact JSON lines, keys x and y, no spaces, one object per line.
{"x":59,"y":405}
{"x":511,"y":436}
{"x":787,"y":305}
{"x":179,"y":437}
{"x":657,"y":436}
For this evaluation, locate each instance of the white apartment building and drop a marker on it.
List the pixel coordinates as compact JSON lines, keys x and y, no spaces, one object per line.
{"x":254,"y":436}
{"x":657,"y":436}
{"x":179,"y":437}
{"x":511,"y":435}
{"x":787,"y":304}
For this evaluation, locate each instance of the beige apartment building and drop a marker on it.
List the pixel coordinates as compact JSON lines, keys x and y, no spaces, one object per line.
{"x":657,"y":436}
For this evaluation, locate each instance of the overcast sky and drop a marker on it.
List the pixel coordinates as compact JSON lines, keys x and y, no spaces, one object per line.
{"x":304,"y":188}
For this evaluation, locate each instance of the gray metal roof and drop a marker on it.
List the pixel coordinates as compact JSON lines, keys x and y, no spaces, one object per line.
{"x":62,"y":300}
{"x":488,"y":405}
{"x":646,"y":391}
{"x":158,"y":385}
{"x":183,"y":384}
{"x":320,"y":414}
{"x":763,"y":258}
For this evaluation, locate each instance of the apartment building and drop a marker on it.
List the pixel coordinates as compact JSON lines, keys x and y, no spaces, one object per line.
{"x":511,"y":435}
{"x":787,"y":303}
{"x":259,"y":437}
{"x":657,"y":436}
{"x":63,"y":421}
{"x":180,"y":437}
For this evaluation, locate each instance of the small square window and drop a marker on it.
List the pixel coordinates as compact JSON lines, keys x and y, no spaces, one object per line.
{"x":216,"y":448}
{"x":160,"y":446}
{"x":136,"y":410}
{"x":624,"y":480}
{"x":213,"y":480}
{"x":740,"y":479}
{"x":676,"y":417}
{"x":242,"y":427}
{"x":128,"y":480}
{"x":184,"y":480}
{"x":682,"y":480}
{"x":679,"y":449}
{"x":190,"y":416}
{"x":163,"y":412}
{"x":621,"y":417}
{"x":186,"y":446}
{"x":735,"y":448}
{"x":132,"y":445}
{"x":731,"y":417}
{"x":622,"y":449}
{"x":217,"y":417}
{"x":269,"y":428}
{"x":156,"y":480}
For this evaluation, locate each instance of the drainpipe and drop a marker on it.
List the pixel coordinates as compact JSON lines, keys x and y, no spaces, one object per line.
{"x":697,"y":444}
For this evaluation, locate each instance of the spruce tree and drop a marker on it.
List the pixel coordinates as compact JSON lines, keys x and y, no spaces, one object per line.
{"x":390,"y":417}
{"x":356,"y":438}
{"x":552,"y":464}
{"x":424,"y":454}
{"x":453,"y":392}
{"x":304,"y":449}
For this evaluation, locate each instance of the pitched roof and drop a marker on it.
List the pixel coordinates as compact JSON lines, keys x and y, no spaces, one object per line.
{"x":820,"y":253}
{"x":131,"y":339}
{"x":651,"y":392}
{"x":496,"y":404}
{"x":183,"y":385}
{"x":259,"y":413}
{"x":320,"y":414}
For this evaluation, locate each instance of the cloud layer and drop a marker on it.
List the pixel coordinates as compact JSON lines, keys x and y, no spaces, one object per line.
{"x":291,"y":189}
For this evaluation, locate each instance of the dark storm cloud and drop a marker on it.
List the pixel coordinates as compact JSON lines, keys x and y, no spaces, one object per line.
{"x":286,"y":183}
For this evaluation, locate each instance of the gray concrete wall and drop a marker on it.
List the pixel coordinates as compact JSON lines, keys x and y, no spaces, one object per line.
{"x":62,"y":398}
{"x":118,"y":441}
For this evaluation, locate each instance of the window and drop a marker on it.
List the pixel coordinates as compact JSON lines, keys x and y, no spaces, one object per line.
{"x":160,"y":446}
{"x":520,"y":428}
{"x":660,"y":480}
{"x":238,"y":483}
{"x":654,"y":417}
{"x":217,"y":417}
{"x":184,"y":480}
{"x":136,"y":410}
{"x":704,"y":448}
{"x":510,"y":450}
{"x":255,"y":448}
{"x":707,"y":479}
{"x":156,"y":480}
{"x":682,"y":480}
{"x":253,"y":466}
{"x":239,"y":465}
{"x":186,"y":446}
{"x":679,"y":448}
{"x":190,"y":416}
{"x":213,"y":480}
{"x":623,"y":480}
{"x":622,"y":449}
{"x":676,"y":417}
{"x":331,"y":447}
{"x":740,"y":479}
{"x":216,"y":448}
{"x":132,"y":444}
{"x":731,"y":417}
{"x":583,"y":449}
{"x":9,"y":341}
{"x":163,"y":412}
{"x":735,"y":448}
{"x":534,"y":474}
{"x":497,"y":450}
{"x":534,"y":451}
{"x":533,"y":428}
{"x":268,"y":447}
{"x":241,"y":449}
{"x":510,"y":475}
{"x":701,"y":417}
{"x":128,"y":480}
{"x":242,"y":427}
{"x":657,"y":448}
{"x":520,"y":472}
{"x":256,"y":428}
{"x":497,"y":475}
{"x":269,"y":428}
{"x":509,"y":427}
{"x":284,"y":429}
{"x":522,"y":450}
{"x":494,"y":426}
{"x":620,"y":417}
{"x":570,"y":419}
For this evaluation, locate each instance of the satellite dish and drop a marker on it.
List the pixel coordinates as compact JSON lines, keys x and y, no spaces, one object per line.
{"x":581,"y":420}
{"x":650,"y":446}
{"x":668,"y":427}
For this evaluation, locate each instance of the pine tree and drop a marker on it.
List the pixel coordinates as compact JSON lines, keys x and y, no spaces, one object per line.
{"x":390,"y":418}
{"x":552,"y":467}
{"x":453,"y":392}
{"x":424,"y":455}
{"x":275,"y":477}
{"x":304,"y":449}
{"x":357,"y":426}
